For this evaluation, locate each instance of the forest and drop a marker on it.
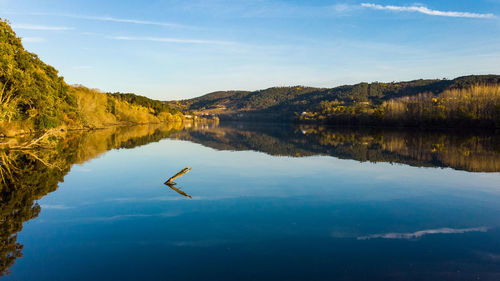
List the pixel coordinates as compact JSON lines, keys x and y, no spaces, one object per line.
{"x":464,"y":101}
{"x":478,"y":105}
{"x":34,"y":97}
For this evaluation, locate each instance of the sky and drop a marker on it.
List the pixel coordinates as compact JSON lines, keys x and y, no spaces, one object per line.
{"x":177,"y":49}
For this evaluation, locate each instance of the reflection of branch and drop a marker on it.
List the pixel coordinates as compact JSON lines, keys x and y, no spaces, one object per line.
{"x":178,"y":190}
{"x":171,"y":184}
{"x":6,"y":166}
{"x":34,"y":142}
{"x":182,"y":172}
{"x":52,"y":166}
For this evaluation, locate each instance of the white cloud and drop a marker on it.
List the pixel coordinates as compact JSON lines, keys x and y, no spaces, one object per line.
{"x":172,"y":40}
{"x":32,"y":39}
{"x":41,"y":27}
{"x":122,"y":20}
{"x":104,"y":18}
{"x":130,"y":216}
{"x":55,"y":207}
{"x":421,"y":233}
{"x":343,"y":7}
{"x":427,"y":11}
{"x":118,"y":217}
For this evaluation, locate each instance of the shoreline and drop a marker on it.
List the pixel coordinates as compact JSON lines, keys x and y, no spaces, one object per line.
{"x":110,"y":125}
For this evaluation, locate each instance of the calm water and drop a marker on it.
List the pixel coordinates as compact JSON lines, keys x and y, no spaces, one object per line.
{"x":267,"y":203}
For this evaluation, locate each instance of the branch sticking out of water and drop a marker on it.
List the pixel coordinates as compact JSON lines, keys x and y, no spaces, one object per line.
{"x":171,"y":184}
{"x":182,"y":172}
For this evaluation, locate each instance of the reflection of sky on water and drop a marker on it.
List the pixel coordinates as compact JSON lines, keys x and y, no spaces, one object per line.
{"x":258,"y":206}
{"x":132,"y":181}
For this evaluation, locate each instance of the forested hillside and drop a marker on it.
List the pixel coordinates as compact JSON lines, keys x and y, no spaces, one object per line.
{"x":466,"y":98}
{"x":34,"y":97}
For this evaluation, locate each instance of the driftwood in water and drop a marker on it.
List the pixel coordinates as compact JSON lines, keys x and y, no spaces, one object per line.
{"x":182,"y":172}
{"x":171,"y":184}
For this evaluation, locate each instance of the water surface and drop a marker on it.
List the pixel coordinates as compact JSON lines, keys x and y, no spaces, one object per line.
{"x":268,"y":202}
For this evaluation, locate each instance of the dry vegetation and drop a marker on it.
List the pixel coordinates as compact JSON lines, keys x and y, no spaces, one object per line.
{"x":478,"y":105}
{"x":96,"y":109}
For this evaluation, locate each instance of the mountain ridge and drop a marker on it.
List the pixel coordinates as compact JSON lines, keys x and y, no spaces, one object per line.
{"x":353,"y":91}
{"x":286,"y":103}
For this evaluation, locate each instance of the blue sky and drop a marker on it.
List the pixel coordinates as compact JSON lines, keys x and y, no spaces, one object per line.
{"x":180,"y":48}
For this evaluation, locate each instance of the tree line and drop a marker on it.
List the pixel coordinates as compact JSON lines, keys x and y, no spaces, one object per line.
{"x":34,"y":97}
{"x":477,"y":105}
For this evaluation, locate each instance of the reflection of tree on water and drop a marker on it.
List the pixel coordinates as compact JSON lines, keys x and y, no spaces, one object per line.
{"x":29,"y":172}
{"x":469,"y":151}
{"x":29,"y":169}
{"x":24,"y":180}
{"x":26,"y":175}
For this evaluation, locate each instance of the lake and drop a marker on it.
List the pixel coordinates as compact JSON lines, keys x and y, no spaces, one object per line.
{"x":262,"y":202}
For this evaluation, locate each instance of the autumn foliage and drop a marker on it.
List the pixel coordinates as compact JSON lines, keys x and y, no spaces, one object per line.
{"x":478,"y":105}
{"x":34,"y":97}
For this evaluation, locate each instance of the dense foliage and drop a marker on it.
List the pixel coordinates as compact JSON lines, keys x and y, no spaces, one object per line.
{"x":30,"y":90}
{"x":34,"y":97}
{"x":96,"y":109}
{"x":156,"y":106}
{"x":474,"y":106}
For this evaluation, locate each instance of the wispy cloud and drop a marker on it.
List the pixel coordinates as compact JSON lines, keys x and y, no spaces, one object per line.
{"x":424,"y":10}
{"x":421,"y":233}
{"x":266,"y":9}
{"x":55,"y":207}
{"x":41,"y":27}
{"x":117,"y":217}
{"x":343,"y":7}
{"x":107,"y":19}
{"x":168,"y":214}
{"x":123,"y":20}
{"x":172,"y":40}
{"x":32,"y":39}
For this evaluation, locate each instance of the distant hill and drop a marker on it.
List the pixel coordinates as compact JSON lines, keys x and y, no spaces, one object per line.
{"x":286,"y":102}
